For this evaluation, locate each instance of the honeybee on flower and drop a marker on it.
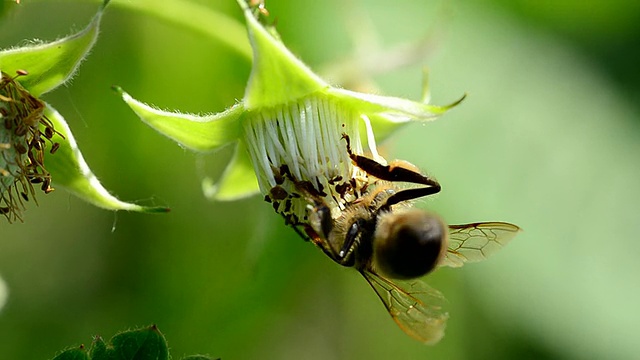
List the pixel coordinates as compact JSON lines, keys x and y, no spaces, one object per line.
{"x":310,"y":150}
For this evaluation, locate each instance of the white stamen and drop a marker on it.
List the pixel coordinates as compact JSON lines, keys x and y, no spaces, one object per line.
{"x":307,"y":137}
{"x":371,"y":140}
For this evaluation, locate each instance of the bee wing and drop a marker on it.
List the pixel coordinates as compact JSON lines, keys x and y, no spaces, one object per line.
{"x":413,"y":305}
{"x":476,"y":242}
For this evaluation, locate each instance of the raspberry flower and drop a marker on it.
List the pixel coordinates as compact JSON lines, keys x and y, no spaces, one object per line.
{"x":37,"y":148}
{"x":288,"y":115}
{"x":301,"y":144}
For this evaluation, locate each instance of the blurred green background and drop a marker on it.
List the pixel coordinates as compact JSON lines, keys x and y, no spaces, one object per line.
{"x":548,"y":138}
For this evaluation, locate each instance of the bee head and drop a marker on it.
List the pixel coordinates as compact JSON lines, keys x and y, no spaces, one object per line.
{"x":408,"y":244}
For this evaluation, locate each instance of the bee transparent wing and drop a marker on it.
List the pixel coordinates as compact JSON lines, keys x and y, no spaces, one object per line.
{"x":476,"y":242}
{"x":413,"y":305}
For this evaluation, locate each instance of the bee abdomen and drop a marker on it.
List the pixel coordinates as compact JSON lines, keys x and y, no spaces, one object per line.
{"x":408,"y":245}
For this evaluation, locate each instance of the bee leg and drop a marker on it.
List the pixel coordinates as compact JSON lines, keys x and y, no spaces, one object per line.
{"x":322,"y":244}
{"x":326,"y":222}
{"x":408,"y":194}
{"x":307,"y":233}
{"x":320,"y":220}
{"x":389,"y":172}
{"x":311,"y":235}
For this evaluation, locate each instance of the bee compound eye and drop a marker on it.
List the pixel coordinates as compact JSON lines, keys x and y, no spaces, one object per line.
{"x":409,"y":244}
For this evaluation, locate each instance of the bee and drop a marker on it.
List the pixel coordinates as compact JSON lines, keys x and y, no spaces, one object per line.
{"x":393,"y":244}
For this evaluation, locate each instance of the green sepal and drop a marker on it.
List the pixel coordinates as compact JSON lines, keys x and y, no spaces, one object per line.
{"x":200,"y":133}
{"x":238,"y":180}
{"x":79,"y":353}
{"x":70,"y":170}
{"x":388,"y":113}
{"x":277,"y":76}
{"x":51,"y":64}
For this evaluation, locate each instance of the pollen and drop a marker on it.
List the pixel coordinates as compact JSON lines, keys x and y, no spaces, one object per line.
{"x":299,"y":149}
{"x":24,"y":134}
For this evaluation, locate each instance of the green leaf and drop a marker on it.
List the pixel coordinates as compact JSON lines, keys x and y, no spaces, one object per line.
{"x":69,"y":169}
{"x":99,"y":349}
{"x":51,"y":64}
{"x":201,"y":133}
{"x":141,"y":344}
{"x":238,"y":180}
{"x":73,"y":354}
{"x":277,"y":76}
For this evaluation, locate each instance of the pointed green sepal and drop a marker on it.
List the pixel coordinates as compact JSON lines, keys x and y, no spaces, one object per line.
{"x":277,"y":76}
{"x":201,"y":133}
{"x":387,"y":113}
{"x":51,"y":64}
{"x":70,"y":170}
{"x":238,"y":180}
